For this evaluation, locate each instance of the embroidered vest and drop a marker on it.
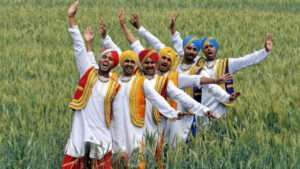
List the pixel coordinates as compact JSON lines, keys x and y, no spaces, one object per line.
{"x":84,"y":91}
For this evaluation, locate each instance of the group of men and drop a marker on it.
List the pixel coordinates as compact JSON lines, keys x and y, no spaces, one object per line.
{"x":159,"y":92}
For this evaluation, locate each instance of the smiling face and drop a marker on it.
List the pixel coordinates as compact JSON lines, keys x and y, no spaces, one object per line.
{"x":164,"y":64}
{"x":210,"y":52}
{"x":190,"y":53}
{"x":106,"y":62}
{"x":128,"y":67}
{"x":149,"y":67}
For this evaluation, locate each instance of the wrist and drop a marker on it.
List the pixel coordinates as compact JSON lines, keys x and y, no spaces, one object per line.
{"x":216,"y":80}
{"x":71,"y":15}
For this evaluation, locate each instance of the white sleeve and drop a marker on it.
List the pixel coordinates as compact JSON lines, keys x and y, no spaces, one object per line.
{"x":177,"y":43}
{"x":158,"y":101}
{"x":137,"y":46}
{"x":151,"y":39}
{"x":81,"y":56}
{"x":185,"y":100}
{"x":108,"y":43}
{"x":92,"y":58}
{"x":186,"y":81}
{"x":236,"y":64}
{"x":218,"y":92}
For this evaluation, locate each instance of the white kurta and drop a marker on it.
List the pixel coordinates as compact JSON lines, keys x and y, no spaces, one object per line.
{"x":189,"y":104}
{"x":235,"y":64}
{"x":89,"y":123}
{"x":126,"y":136}
{"x":180,"y":129}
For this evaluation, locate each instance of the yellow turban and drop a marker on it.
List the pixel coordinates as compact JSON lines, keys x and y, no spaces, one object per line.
{"x":169,"y":52}
{"x":128,"y":54}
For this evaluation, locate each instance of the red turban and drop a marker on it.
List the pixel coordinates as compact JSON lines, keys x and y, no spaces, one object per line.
{"x":114,"y":55}
{"x":148,"y":53}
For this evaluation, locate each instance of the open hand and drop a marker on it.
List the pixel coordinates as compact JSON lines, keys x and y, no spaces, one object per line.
{"x":224,"y":78}
{"x":102,"y":28}
{"x":73,"y":8}
{"x":89,"y":34}
{"x":234,"y":96}
{"x":172,"y":26}
{"x":269,"y":42}
{"x":213,"y":115}
{"x":122,"y":18}
{"x":135,"y":21}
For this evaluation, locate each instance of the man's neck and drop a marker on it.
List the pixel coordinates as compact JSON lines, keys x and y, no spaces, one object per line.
{"x":125,"y":78}
{"x":149,"y":77}
{"x":211,"y":60}
{"x":103,"y":74}
{"x":187,"y":61}
{"x":161,"y":73}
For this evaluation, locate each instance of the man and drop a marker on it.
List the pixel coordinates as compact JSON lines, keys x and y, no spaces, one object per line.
{"x":90,"y":137}
{"x":129,"y":106}
{"x":215,"y":67}
{"x":159,"y":79}
{"x":168,"y":59}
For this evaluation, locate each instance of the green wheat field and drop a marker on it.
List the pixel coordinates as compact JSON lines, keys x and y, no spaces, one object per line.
{"x":38,"y":78}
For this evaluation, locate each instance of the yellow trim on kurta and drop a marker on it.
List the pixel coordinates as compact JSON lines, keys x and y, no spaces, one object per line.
{"x":112,"y":90}
{"x":195,"y":69}
{"x":222,"y":64}
{"x":174,"y":77}
{"x":78,"y":104}
{"x":160,"y":84}
{"x":137,"y":101}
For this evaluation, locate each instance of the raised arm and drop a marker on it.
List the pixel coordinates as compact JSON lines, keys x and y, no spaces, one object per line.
{"x":72,"y":12}
{"x":107,"y":42}
{"x":133,"y":41}
{"x":129,"y":36}
{"x":81,"y":57}
{"x":176,"y":37}
{"x":236,"y":64}
{"x":150,"y":38}
{"x":89,"y":38}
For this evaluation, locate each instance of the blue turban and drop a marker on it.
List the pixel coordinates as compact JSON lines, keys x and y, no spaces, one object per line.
{"x":197,"y":43}
{"x":210,"y":41}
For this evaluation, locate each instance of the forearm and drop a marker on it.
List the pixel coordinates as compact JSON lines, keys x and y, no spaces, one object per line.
{"x":89,"y":46}
{"x":81,"y":56}
{"x":92,"y":58}
{"x":236,"y":64}
{"x":207,"y":80}
{"x":129,"y":36}
{"x":151,"y":39}
{"x":108,"y":43}
{"x":186,"y":101}
{"x":186,"y":81}
{"x":177,"y":43}
{"x":77,"y":39}
{"x":72,"y":21}
{"x":137,"y":46}
{"x":218,"y":93}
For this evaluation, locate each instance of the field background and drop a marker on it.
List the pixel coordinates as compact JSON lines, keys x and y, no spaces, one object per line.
{"x":38,"y":77}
